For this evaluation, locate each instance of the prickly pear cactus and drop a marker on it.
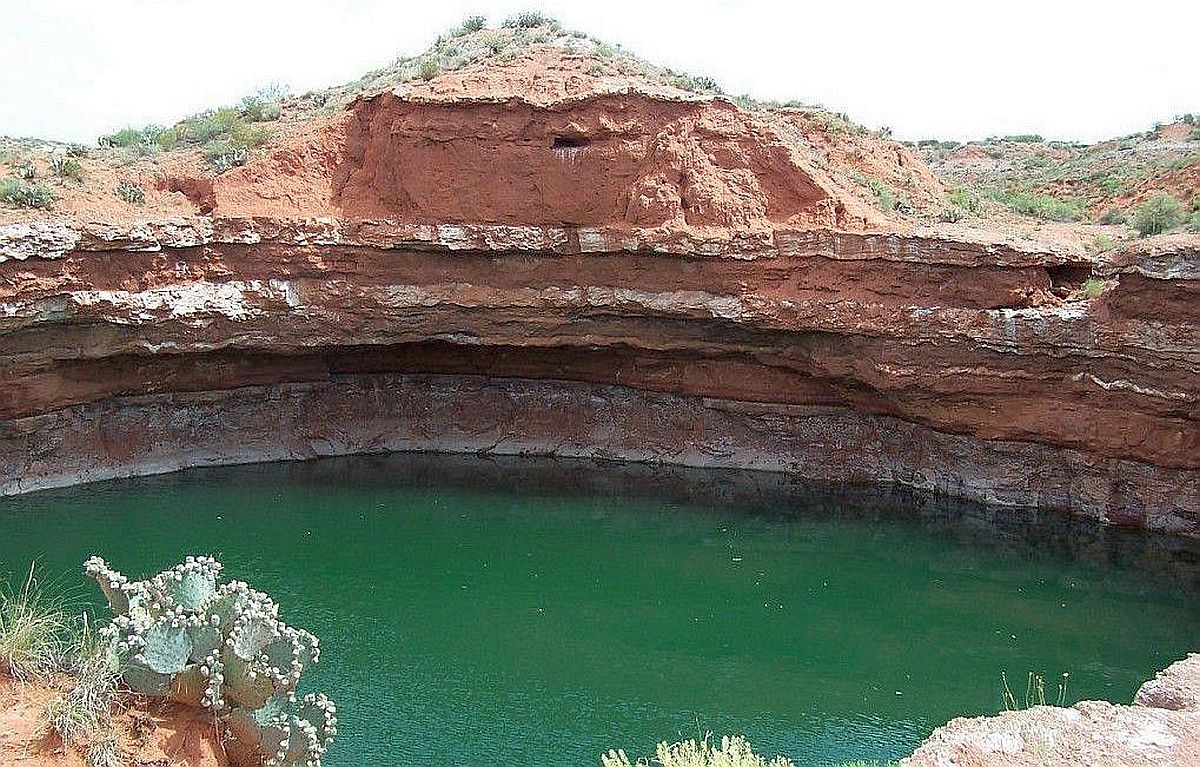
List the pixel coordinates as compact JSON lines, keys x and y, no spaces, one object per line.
{"x":184,"y":636}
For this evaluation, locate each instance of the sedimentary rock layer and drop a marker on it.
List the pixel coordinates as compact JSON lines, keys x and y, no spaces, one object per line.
{"x":948,"y":366}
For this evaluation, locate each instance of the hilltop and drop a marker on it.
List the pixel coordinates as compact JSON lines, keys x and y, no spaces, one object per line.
{"x":777,"y":164}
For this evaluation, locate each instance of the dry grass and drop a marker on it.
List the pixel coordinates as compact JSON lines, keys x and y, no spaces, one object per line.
{"x":733,"y":751}
{"x":82,"y":715}
{"x":32,"y":629}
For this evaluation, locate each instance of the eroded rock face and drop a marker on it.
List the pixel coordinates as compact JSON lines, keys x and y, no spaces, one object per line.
{"x":947,"y":366}
{"x":1161,"y":729}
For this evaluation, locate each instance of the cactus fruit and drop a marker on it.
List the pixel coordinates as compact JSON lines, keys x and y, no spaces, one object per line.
{"x":182,"y":635}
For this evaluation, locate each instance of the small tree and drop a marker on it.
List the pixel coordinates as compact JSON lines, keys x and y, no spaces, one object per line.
{"x":1159,"y":214}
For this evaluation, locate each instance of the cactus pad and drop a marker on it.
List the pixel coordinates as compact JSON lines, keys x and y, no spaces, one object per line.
{"x":183,"y":635}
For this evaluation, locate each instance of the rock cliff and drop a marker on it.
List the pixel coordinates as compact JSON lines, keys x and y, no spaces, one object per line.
{"x":567,"y":264}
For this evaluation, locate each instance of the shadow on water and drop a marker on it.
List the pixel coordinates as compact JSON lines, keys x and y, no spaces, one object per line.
{"x":502,"y":610}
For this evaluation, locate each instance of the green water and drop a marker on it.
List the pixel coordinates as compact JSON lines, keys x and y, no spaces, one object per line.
{"x":476,"y":612}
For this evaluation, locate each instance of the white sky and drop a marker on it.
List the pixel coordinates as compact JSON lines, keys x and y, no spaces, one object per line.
{"x":71,"y":70}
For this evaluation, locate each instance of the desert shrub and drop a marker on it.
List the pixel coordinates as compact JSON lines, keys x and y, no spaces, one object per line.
{"x":428,"y":69}
{"x":27,"y":170}
{"x":257,"y":108}
{"x":1102,"y":243}
{"x":1113,"y":216}
{"x":122,"y":138}
{"x":1023,"y":138}
{"x":471,"y":24}
{"x":951,"y":214}
{"x":24,"y":194}
{"x":251,"y":136}
{"x":1159,"y":214}
{"x":1093,"y":288}
{"x":496,"y":42}
{"x":696,"y":83}
{"x":32,"y":630}
{"x":1041,"y":206}
{"x":78,"y":151}
{"x":145,"y":139}
{"x":885,"y":196}
{"x":1194,"y":222}
{"x":965,"y":199}
{"x":209,"y":125}
{"x":1195,"y":135}
{"x":130,"y":192}
{"x":184,"y":636}
{"x":1112,"y":184}
{"x":222,"y":154}
{"x":733,"y":751}
{"x":530,"y":19}
{"x":64,"y":166}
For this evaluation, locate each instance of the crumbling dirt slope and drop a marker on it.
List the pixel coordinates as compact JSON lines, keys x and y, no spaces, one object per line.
{"x":164,"y":736}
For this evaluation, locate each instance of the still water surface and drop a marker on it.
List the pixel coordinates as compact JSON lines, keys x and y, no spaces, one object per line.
{"x":483,"y":612}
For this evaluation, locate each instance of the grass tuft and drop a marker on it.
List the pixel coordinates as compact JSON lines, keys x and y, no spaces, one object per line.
{"x":32,"y":627}
{"x":82,"y":715}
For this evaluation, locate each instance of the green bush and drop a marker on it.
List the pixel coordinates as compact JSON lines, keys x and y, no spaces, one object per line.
{"x":428,"y":69}
{"x":23,"y":194}
{"x":968,"y":201}
{"x":529,"y":20}
{"x":696,"y":84}
{"x":146,"y":140}
{"x":884,"y":194}
{"x":496,"y":42}
{"x":223,"y":155}
{"x":1194,"y":222}
{"x":471,"y":24}
{"x":27,"y":170}
{"x":1113,"y":216}
{"x":65,"y":167}
{"x":1024,"y":138}
{"x":130,"y":192}
{"x":1043,"y":206}
{"x":258,"y":109}
{"x":212,"y":124}
{"x":122,"y":138}
{"x":1159,"y":214}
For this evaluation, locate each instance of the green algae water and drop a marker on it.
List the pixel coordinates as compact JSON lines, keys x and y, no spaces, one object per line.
{"x":484,"y":612}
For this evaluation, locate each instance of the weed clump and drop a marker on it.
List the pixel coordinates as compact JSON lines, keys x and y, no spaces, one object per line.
{"x":1161,"y":213}
{"x":24,"y":194}
{"x":428,"y":69}
{"x":529,"y":20}
{"x":471,"y":24}
{"x":733,"y":751}
{"x":66,"y":167}
{"x":130,"y":192}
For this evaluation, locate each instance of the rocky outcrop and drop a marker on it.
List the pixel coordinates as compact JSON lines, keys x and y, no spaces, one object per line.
{"x":947,"y":366}
{"x":1161,"y":729}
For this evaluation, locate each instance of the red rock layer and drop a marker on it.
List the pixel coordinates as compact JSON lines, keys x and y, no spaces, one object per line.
{"x":919,"y":337}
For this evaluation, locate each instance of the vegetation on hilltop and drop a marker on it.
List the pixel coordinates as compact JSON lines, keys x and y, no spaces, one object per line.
{"x":1138,"y":179}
